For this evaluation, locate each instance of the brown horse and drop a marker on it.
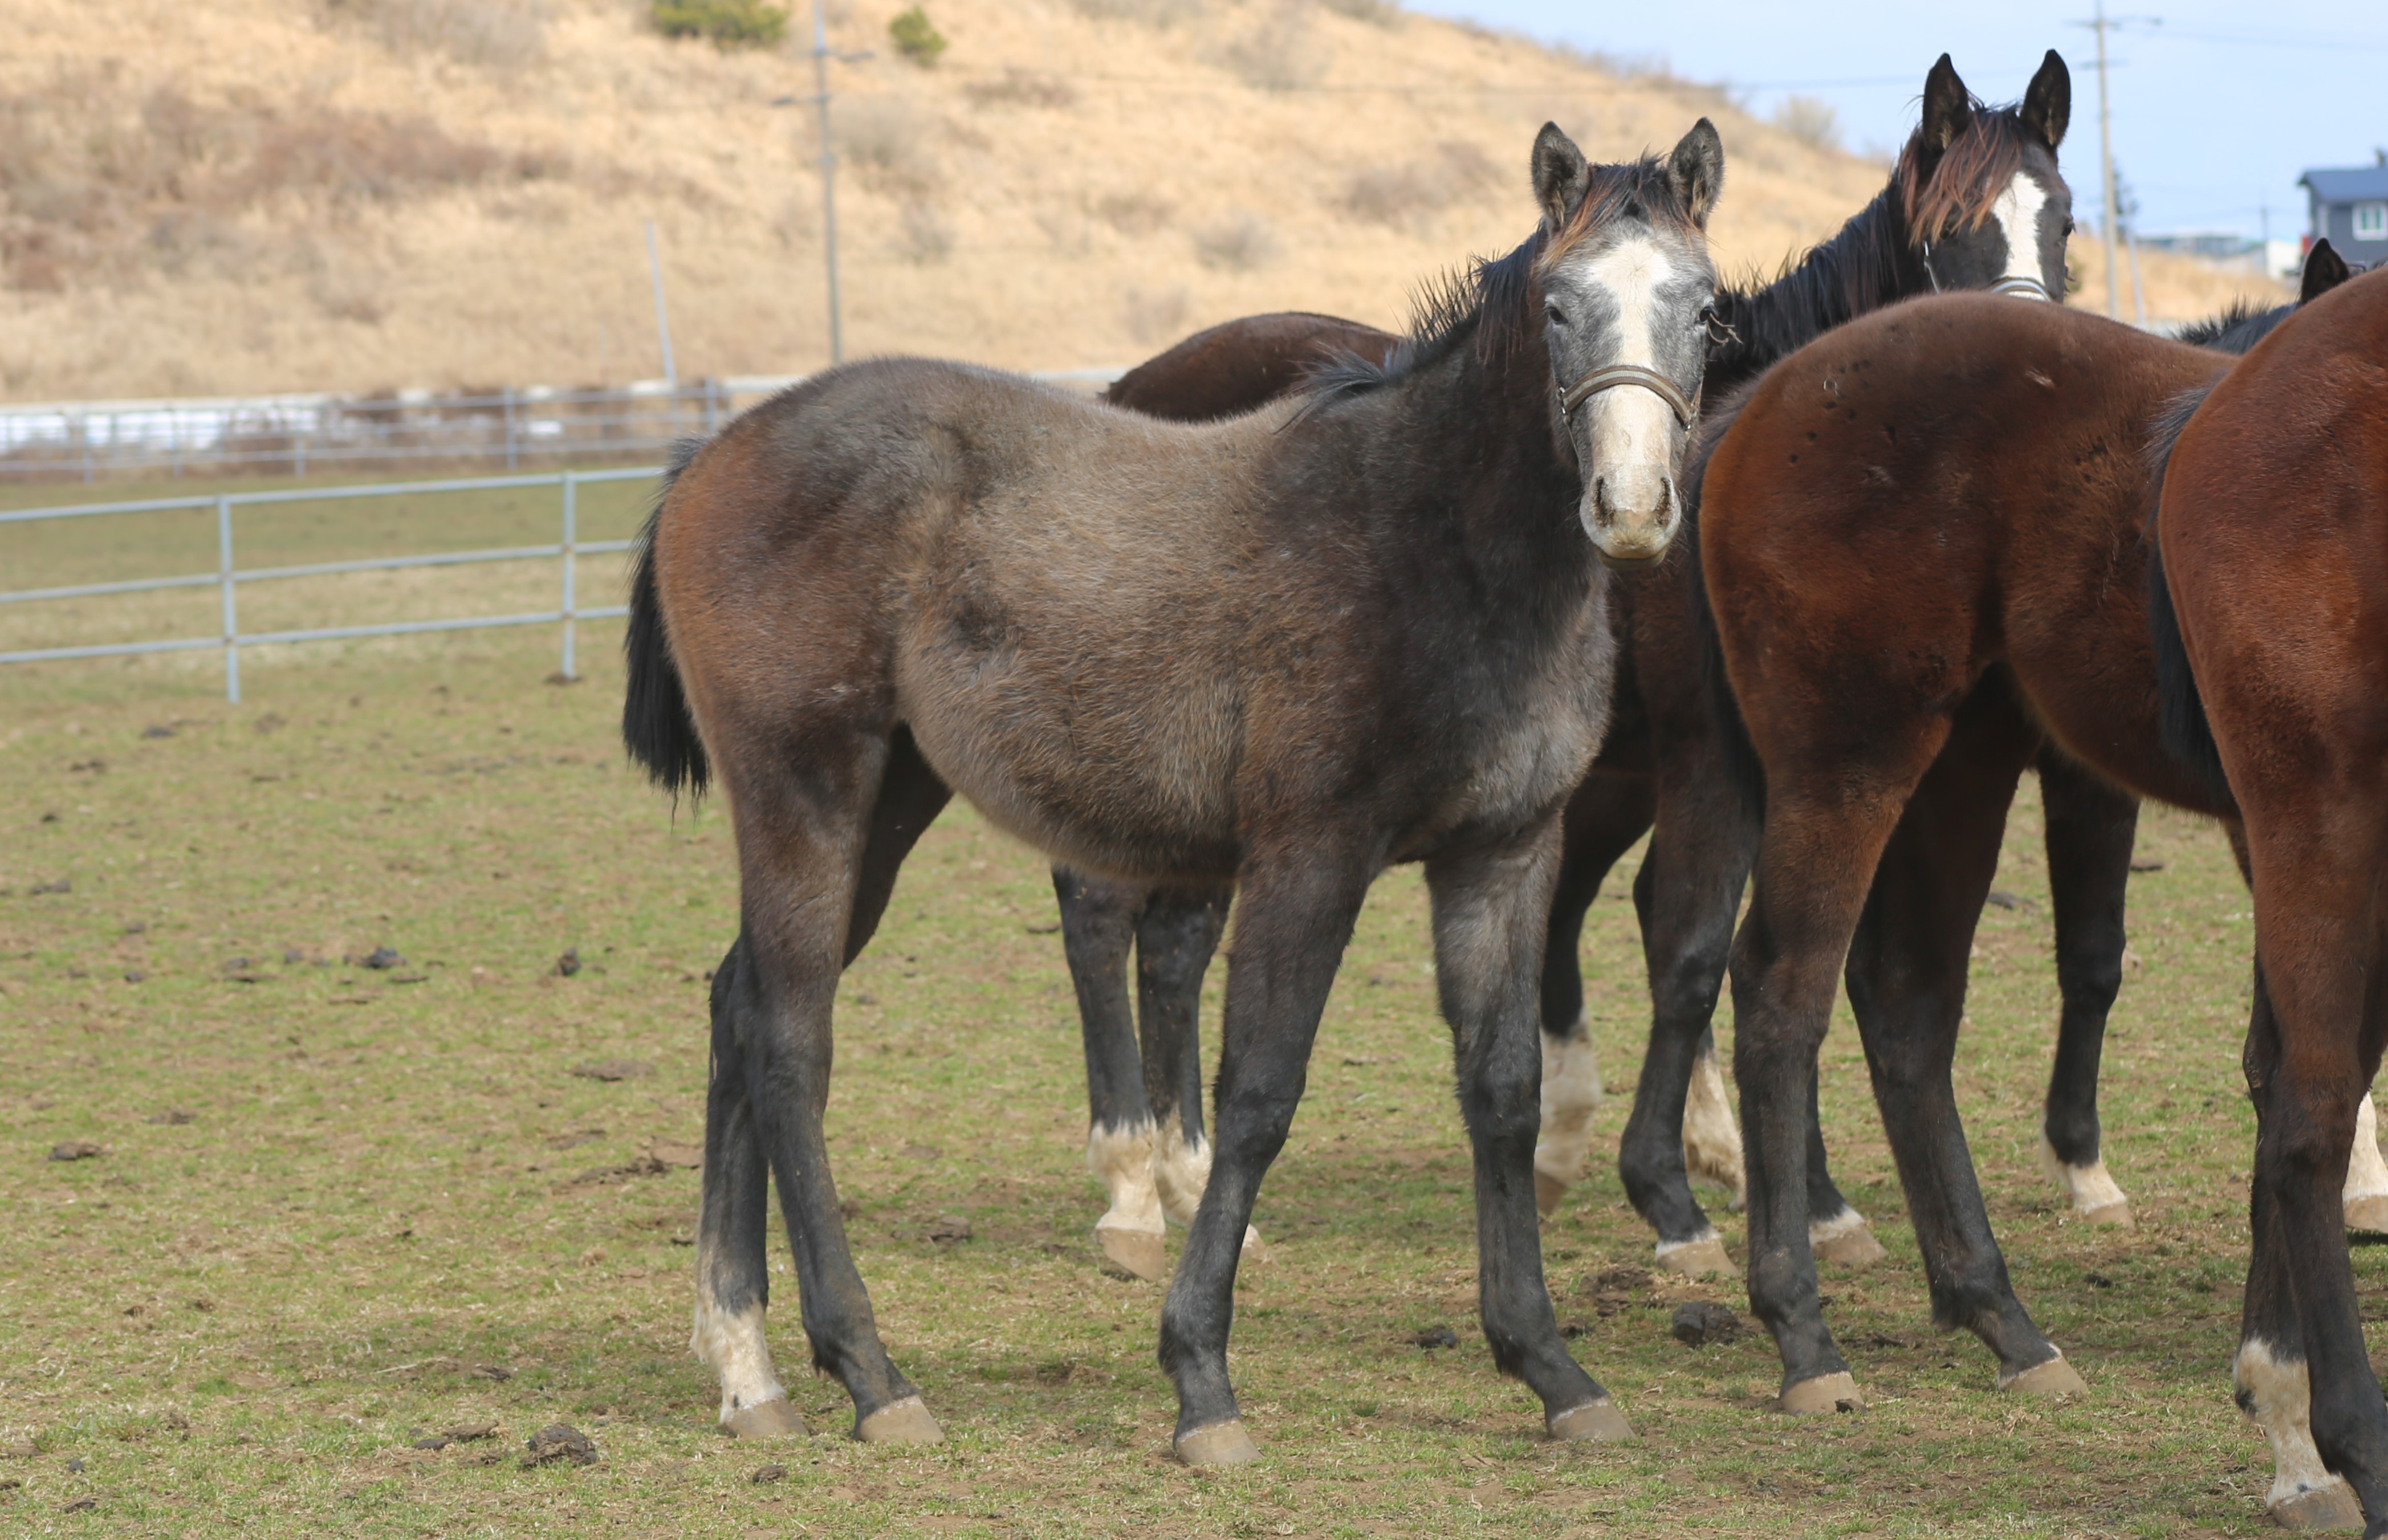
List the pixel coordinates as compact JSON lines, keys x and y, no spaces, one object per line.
{"x":1921,"y":540}
{"x":2273,"y":529}
{"x":1953,"y":216}
{"x":1283,"y":650}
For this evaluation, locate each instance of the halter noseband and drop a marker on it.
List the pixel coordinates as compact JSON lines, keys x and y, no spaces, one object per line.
{"x":2022,"y":287}
{"x":1684,"y":407}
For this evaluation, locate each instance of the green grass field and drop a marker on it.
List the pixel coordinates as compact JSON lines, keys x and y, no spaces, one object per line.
{"x":337,"y":1208}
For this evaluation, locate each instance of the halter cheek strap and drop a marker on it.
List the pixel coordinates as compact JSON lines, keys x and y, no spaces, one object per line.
{"x":1684,"y":407}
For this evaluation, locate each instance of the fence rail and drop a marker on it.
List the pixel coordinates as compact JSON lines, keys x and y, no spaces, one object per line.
{"x":319,"y":431}
{"x":228,"y":575}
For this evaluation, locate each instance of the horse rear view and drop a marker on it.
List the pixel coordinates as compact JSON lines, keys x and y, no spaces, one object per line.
{"x":1285,"y":649}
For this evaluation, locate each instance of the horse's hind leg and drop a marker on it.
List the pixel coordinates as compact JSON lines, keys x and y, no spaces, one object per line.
{"x":2091,"y":826}
{"x":1175,"y":938}
{"x":1294,"y":917}
{"x":2323,"y":944}
{"x":817,"y":856}
{"x":1488,"y":933}
{"x":1906,"y":973}
{"x":1608,"y":812}
{"x":732,"y":1281}
{"x":2268,"y":1375}
{"x":1098,"y":927}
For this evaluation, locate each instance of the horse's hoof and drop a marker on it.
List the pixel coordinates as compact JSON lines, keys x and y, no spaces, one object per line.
{"x":1853,"y":1247}
{"x":2115,"y":1214}
{"x":1220,"y":1443}
{"x":2368,"y":1215}
{"x":1695,"y":1258}
{"x":1255,"y":1249}
{"x":1594,"y":1423}
{"x":2053,"y":1378}
{"x":1548,"y":1191}
{"x":2321,"y":1507}
{"x":1825,"y":1393}
{"x":772,"y":1418}
{"x":905,"y":1421}
{"x":1138,"y":1251}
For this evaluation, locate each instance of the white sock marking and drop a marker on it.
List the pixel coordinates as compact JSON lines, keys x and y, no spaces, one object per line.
{"x":1122,"y":1160}
{"x":2091,"y":1187}
{"x":1711,"y":1138}
{"x":733,"y":1345}
{"x":1843,"y":1223}
{"x":2277,"y":1395}
{"x":1571,"y":1096}
{"x":2367,"y":1173}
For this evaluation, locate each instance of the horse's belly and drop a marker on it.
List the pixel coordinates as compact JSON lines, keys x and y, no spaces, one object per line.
{"x":1135,"y":782}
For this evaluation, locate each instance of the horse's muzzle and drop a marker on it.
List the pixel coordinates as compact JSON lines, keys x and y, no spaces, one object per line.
{"x":1631,"y":515}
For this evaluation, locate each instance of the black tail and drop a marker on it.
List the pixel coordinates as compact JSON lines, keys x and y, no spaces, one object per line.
{"x":657,"y":726}
{"x":2180,"y":709}
{"x":1747,"y":771}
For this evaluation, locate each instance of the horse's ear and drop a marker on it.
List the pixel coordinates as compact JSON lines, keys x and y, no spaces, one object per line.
{"x":2048,"y":102}
{"x":1696,"y":170}
{"x":2325,"y":270}
{"x":1561,"y":177}
{"x":1948,"y":106}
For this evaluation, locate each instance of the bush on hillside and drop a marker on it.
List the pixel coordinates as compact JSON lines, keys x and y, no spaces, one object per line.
{"x":726,"y":23}
{"x":916,"y":37}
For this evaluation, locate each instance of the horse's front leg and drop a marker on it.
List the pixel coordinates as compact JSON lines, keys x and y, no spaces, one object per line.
{"x":1296,"y":907}
{"x":1491,"y":905}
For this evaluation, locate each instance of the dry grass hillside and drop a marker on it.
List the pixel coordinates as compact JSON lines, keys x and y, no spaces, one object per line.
{"x":358,"y":193}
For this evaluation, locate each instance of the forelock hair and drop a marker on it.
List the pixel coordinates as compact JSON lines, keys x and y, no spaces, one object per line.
{"x":1964,"y":184}
{"x":1627,"y":189}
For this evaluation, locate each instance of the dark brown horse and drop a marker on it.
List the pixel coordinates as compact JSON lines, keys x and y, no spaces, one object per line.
{"x":1921,"y":537}
{"x":1283,"y":650}
{"x":2274,"y":535}
{"x":1974,"y":201}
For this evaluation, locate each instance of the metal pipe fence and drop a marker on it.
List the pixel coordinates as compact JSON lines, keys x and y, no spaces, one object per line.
{"x":323,"y":431}
{"x":228,"y":575}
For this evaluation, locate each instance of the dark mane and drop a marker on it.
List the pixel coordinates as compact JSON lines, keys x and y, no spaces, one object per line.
{"x":1875,"y":256}
{"x":1490,"y":303}
{"x":2237,"y":328}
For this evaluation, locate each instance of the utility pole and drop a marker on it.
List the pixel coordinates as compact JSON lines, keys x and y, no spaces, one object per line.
{"x":822,"y":53}
{"x":662,"y":319}
{"x":2101,"y":23}
{"x":828,"y":181}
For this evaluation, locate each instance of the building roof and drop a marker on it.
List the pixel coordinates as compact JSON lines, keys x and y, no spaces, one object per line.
{"x":2346,"y":184}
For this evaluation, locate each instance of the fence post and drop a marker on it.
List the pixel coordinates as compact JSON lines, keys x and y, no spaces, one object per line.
{"x":510,"y":427}
{"x":231,"y":605}
{"x":712,"y":405}
{"x":571,"y":538}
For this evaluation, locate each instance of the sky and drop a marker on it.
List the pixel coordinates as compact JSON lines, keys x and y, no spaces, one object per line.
{"x":2216,"y":106}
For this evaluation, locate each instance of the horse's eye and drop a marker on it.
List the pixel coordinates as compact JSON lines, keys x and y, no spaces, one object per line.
{"x":2069,"y":227}
{"x":1719,"y":330}
{"x":1557,"y":317}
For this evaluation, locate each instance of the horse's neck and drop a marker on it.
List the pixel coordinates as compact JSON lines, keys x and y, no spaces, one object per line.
{"x":1863,"y":267}
{"x":1486,"y":422}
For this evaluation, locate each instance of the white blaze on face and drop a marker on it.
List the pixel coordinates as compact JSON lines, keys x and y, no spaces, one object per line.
{"x":1631,"y":430}
{"x":2017,"y":211}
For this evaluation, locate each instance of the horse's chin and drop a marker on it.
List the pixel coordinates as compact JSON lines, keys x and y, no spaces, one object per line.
{"x":1630,"y":552}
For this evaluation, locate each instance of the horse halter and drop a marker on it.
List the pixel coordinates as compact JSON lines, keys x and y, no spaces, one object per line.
{"x":1611,"y":376}
{"x":2018,"y":285}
